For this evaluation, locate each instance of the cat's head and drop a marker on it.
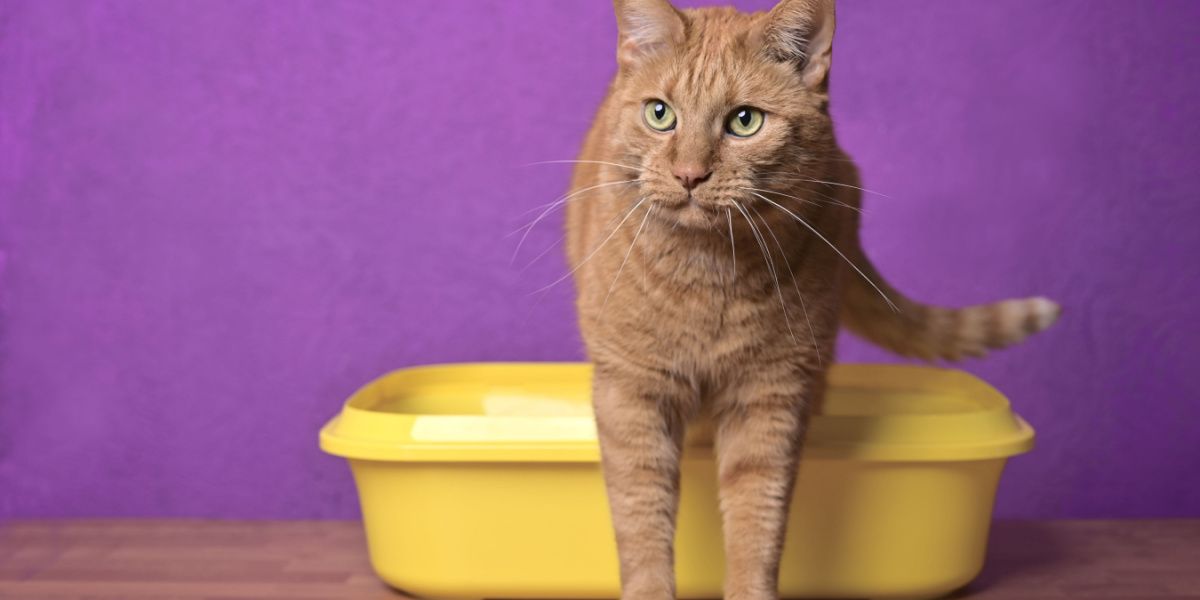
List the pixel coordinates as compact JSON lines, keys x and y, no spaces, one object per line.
{"x":713,"y":104}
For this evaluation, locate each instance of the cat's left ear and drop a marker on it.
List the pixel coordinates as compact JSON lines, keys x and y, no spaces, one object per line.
{"x":801,"y":32}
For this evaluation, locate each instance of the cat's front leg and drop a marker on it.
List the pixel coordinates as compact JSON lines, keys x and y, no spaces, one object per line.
{"x":640,"y":419}
{"x":760,"y":428}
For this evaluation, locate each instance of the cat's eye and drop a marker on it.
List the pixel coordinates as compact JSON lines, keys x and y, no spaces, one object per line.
{"x":745,"y":121}
{"x":659,"y":116}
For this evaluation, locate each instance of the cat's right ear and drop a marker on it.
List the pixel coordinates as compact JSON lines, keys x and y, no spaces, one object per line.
{"x":647,"y":27}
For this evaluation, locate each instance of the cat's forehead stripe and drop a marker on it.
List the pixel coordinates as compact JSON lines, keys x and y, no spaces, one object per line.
{"x":716,"y":67}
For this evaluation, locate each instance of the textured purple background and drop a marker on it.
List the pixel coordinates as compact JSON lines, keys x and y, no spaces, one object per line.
{"x":219,"y":218}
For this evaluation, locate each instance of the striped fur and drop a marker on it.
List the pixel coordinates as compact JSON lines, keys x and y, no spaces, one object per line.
{"x":932,"y":332}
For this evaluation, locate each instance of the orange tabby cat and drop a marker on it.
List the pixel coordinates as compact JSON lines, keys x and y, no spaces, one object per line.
{"x":714,"y":244}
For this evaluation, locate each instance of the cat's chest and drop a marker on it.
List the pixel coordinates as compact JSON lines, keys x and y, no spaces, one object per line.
{"x":702,"y":311}
{"x":685,"y":304}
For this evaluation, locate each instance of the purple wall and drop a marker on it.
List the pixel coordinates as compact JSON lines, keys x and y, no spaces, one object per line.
{"x":217,"y":219}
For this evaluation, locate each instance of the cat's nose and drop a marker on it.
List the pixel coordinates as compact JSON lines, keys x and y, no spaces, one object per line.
{"x":690,"y":175}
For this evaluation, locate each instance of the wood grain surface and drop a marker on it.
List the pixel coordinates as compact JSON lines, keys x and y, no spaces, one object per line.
{"x":263,"y":560}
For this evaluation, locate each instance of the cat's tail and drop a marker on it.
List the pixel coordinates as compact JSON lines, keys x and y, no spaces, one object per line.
{"x":910,"y":328}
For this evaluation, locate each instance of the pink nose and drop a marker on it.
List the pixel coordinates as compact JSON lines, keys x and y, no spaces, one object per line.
{"x":690,"y":175}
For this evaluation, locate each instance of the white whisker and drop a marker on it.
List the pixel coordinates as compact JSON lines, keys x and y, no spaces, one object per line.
{"x":853,"y":187}
{"x":544,"y":253}
{"x":595,"y":250}
{"x":577,"y":162}
{"x":831,"y":200}
{"x":795,"y":285}
{"x":586,"y":162}
{"x":832,"y":247}
{"x":836,"y":201}
{"x":620,"y":269}
{"x":732,"y":245}
{"x":762,"y":245}
{"x":560,"y":202}
{"x":824,"y":182}
{"x":558,"y":243}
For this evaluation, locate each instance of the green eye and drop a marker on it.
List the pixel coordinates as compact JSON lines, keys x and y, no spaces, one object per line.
{"x":745,"y":122}
{"x":659,"y":116}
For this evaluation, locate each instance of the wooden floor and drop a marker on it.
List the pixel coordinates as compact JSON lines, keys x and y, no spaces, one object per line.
{"x":221,"y":560}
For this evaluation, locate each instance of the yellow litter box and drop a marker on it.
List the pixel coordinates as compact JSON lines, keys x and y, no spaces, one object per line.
{"x":483,"y":481}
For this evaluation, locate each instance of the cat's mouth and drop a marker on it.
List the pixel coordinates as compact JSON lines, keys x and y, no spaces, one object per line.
{"x":696,"y":214}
